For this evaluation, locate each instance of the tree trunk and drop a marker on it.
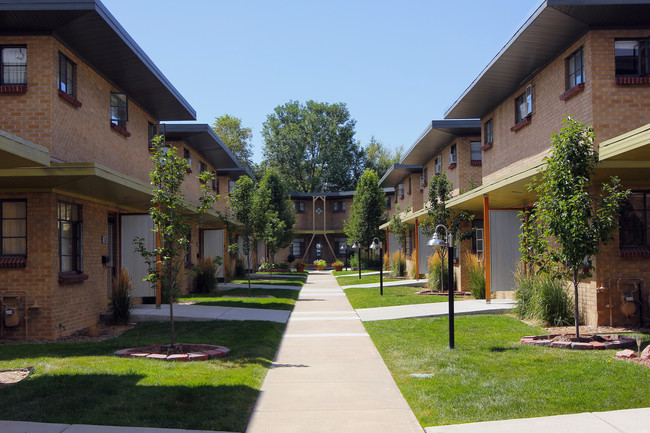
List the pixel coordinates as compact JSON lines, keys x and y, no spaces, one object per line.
{"x":575,"y":300}
{"x":170,"y":273}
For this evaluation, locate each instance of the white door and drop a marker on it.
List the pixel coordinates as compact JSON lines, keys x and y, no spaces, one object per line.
{"x":505,"y":227}
{"x":133,"y":226}
{"x":213,"y":246}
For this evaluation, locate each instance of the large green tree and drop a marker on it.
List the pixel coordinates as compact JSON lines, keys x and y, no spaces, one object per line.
{"x":368,"y":211}
{"x":236,"y":137}
{"x":440,"y":192}
{"x":312,"y":146}
{"x":379,"y":158}
{"x":567,"y":211}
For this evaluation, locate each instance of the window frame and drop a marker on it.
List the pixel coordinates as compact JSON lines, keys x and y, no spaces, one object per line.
{"x":300,"y":242}
{"x":476,"y":150}
{"x":338,"y":206}
{"x":488,"y":133}
{"x":643,"y":57}
{"x":76,"y":240}
{"x":231,"y":185}
{"x":571,"y":78}
{"x":527,"y":97}
{"x":21,"y":66}
{"x":187,"y":156}
{"x":645,"y":235}
{"x":425,"y":173}
{"x":299,"y":206}
{"x":453,"y":154}
{"x":2,"y":226}
{"x":116,"y":118}
{"x":69,"y":81}
{"x":438,"y":164}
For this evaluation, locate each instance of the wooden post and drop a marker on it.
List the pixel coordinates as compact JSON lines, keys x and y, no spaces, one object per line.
{"x":486,"y":247}
{"x":417,"y":250}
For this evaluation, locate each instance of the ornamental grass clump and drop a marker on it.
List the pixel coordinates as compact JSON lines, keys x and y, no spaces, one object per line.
{"x":476,"y":269}
{"x":435,"y":280}
{"x":121,"y":298}
{"x":542,"y":296}
{"x":206,"y":274}
{"x":398,"y":265}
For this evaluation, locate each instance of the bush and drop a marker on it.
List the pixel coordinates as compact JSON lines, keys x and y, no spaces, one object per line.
{"x":398,"y":264}
{"x":291,"y":258}
{"x":542,"y":297}
{"x":121,"y":298}
{"x":435,"y":266}
{"x":476,"y":270}
{"x":206,"y":274}
{"x":365,"y":264}
{"x":321,"y":263}
{"x":240,"y":268}
{"x":268,"y":266}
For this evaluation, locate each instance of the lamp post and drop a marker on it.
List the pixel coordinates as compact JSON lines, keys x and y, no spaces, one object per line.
{"x":436,"y":242}
{"x":343,"y":249}
{"x":376,"y":243}
{"x":357,"y":246}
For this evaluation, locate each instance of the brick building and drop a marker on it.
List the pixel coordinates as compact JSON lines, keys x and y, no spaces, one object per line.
{"x":80,"y":103}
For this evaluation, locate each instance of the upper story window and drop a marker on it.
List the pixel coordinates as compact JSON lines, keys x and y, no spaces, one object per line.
{"x":410,"y":185}
{"x":453,"y":154}
{"x":299,"y":206}
{"x":632,"y":57}
{"x":13,"y":227}
{"x":202,"y":167}
{"x":387,"y":202}
{"x":438,"y":168}
{"x":67,"y":75}
{"x":524,"y":104}
{"x":339,"y":206}
{"x":188,"y":157}
{"x":119,"y":109}
{"x":426,"y":176}
{"x":400,"y":190}
{"x":70,"y":237}
{"x":634,"y":221}
{"x":575,"y":71}
{"x":488,"y":133}
{"x":476,"y":155}
{"x":13,"y":67}
{"x":231,"y":186}
{"x":215,"y":182}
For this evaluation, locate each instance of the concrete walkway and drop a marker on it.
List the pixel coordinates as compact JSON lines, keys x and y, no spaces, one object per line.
{"x":473,"y":306}
{"x":191,"y":313}
{"x":230,"y":286}
{"x":328,"y":376}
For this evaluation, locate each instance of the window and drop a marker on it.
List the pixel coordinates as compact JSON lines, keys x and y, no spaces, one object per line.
{"x":387,"y":202}
{"x":299,"y":205}
{"x":188,"y":157}
{"x":438,"y":169}
{"x":410,"y":185}
{"x":575,"y":69}
{"x":13,"y":230}
{"x":488,"y":137}
{"x":632,"y":57}
{"x":13,"y":66}
{"x":188,"y":248}
{"x":422,"y":183}
{"x":524,"y":105}
{"x":634,"y":221}
{"x":400,"y":190}
{"x":298,"y":247}
{"x":70,"y":234}
{"x":231,"y":185}
{"x":477,"y":236}
{"x":339,"y":206}
{"x":426,"y":176}
{"x":215,"y":182}
{"x":453,"y":154}
{"x":119,"y":109}
{"x":340,"y":245}
{"x":67,"y":75}
{"x":203,"y":167}
{"x":475,"y":151}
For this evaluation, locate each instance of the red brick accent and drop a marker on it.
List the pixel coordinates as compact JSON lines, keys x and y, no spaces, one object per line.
{"x":13,"y":88}
{"x":121,"y":130}
{"x":632,"y":80}
{"x":570,"y":93}
{"x":452,"y":166}
{"x":522,"y":123}
{"x":476,"y":163}
{"x":69,"y":98}
{"x":71,"y":278}
{"x":13,"y":262}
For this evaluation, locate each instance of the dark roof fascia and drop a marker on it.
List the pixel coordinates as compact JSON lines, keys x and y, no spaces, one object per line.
{"x":397,"y":172}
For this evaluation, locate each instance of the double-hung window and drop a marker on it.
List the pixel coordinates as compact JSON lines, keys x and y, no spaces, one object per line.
{"x":524,"y":105}
{"x":632,"y":57}
{"x":70,"y":237}
{"x":202,"y":167}
{"x":299,"y":206}
{"x":476,"y":156}
{"x":339,"y":206}
{"x":575,"y":69}
{"x":13,"y":65}
{"x":488,"y":133}
{"x":298,"y":247}
{"x":67,"y":76}
{"x":215,"y":182}
{"x":188,"y":157}
{"x":634,"y":221}
{"x":453,"y":154}
{"x":231,"y":186}
{"x":119,"y":109}
{"x":438,"y":168}
{"x":13,"y":231}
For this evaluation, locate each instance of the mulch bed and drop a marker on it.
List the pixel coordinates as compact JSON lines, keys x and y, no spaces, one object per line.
{"x":585,"y":342}
{"x":9,"y":377}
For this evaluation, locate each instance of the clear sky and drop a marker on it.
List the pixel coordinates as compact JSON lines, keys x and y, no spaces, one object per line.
{"x":396,"y":64}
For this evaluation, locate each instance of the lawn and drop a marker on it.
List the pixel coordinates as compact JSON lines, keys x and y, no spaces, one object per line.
{"x":83,"y":383}
{"x":337,"y":273}
{"x":284,"y":299}
{"x":491,"y":376}
{"x":367,"y":279}
{"x":273,"y":282}
{"x":401,"y":295}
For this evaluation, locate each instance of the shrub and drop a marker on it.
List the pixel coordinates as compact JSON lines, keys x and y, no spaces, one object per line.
{"x":542,"y":296}
{"x":435,"y":266}
{"x":206,"y":274}
{"x":398,"y":265}
{"x":268,"y":266}
{"x":291,"y":258}
{"x":121,"y":298}
{"x":240,"y":268}
{"x":321,"y":262}
{"x":365,"y":264}
{"x":337,"y":263}
{"x":476,"y":271}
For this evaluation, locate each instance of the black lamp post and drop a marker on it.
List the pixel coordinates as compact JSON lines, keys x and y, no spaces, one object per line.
{"x":343,"y":249}
{"x":376,"y":243}
{"x":436,"y":243}
{"x":357,"y":246}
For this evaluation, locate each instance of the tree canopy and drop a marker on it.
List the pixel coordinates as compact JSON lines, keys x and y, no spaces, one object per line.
{"x":236,"y":137}
{"x":368,"y":211}
{"x":379,"y":158}
{"x":312,"y":146}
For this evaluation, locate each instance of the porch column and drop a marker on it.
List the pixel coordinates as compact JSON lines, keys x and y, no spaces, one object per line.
{"x":417,"y":250}
{"x":486,"y":246}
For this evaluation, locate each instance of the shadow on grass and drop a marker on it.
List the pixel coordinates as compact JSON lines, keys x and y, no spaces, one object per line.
{"x":501,"y":349}
{"x":121,"y":400}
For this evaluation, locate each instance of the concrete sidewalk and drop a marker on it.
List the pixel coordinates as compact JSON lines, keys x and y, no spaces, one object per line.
{"x":39,"y":427}
{"x":189,"y":313}
{"x":327,"y":376}
{"x":473,"y":306}
{"x":230,"y":286}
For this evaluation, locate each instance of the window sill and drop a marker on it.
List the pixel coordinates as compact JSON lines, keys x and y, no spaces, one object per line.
{"x":72,"y":277}
{"x":13,"y":262}
{"x":522,"y":123}
{"x":452,"y":166}
{"x":69,"y":99}
{"x":635,"y":252}
{"x":632,"y":80}
{"x":476,"y":163}
{"x":570,"y":93}
{"x":13,"y":88}
{"x":120,"y":130}
{"x":487,"y":146}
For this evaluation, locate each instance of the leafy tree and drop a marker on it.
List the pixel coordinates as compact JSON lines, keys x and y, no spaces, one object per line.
{"x":379,"y":158}
{"x":240,"y":201}
{"x":168,"y":212}
{"x":566,"y":211}
{"x":236,"y":137}
{"x":312,"y":146}
{"x":400,"y":230}
{"x":368,"y":211}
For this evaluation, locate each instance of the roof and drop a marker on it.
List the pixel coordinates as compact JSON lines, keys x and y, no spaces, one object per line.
{"x":548,"y":31}
{"x":88,"y":29}
{"x":203,"y":140}
{"x":337,"y":194}
{"x":431,"y":142}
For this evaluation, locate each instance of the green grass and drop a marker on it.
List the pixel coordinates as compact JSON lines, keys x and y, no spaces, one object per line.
{"x":285,"y":299}
{"x":83,"y":383}
{"x":273,"y":282}
{"x":402,"y":295}
{"x":354,"y":280}
{"x":491,"y":376}
{"x":337,"y":273}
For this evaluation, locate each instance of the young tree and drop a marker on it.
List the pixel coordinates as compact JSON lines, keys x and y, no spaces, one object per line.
{"x":236,"y":137}
{"x":400,"y":230}
{"x":368,"y":212}
{"x":168,"y":214}
{"x":312,"y":146}
{"x":240,"y":201}
{"x":567,"y":211}
{"x":379,"y":158}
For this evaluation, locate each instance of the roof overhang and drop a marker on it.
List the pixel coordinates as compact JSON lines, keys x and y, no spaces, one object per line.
{"x":398,"y":172}
{"x":16,"y":152}
{"x":547,"y":32}
{"x":88,"y":29}
{"x":203,"y":140}
{"x":436,"y":136}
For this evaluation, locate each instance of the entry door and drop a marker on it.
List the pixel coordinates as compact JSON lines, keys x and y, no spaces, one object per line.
{"x":213,"y":246}
{"x":111,"y":265}
{"x":137,"y":226}
{"x":505,"y":227}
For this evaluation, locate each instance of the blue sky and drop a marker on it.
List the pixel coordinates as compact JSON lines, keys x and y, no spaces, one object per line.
{"x":397,"y":65}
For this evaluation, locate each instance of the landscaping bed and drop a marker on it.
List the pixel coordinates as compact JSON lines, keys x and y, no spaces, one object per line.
{"x":584,"y":342}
